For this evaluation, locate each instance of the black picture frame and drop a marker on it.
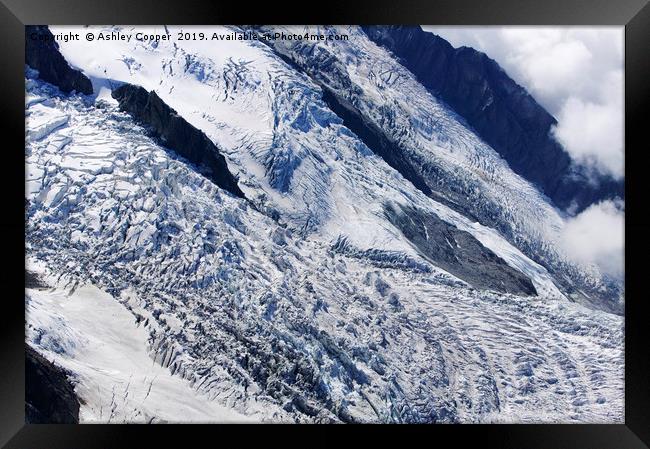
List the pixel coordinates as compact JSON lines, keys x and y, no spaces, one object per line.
{"x":633,"y":14}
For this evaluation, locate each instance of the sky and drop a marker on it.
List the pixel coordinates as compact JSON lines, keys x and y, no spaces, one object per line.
{"x":576,"y":73}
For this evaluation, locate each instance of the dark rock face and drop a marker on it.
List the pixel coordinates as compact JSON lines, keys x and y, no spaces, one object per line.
{"x":176,"y":133}
{"x":33,"y":280}
{"x":42,"y":54}
{"x":374,"y":138}
{"x":49,"y":395}
{"x":458,"y":252}
{"x":502,"y":113}
{"x":395,"y":154}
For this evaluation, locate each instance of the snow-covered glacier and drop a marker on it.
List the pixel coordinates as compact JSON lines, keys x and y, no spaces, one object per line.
{"x":377,"y":262}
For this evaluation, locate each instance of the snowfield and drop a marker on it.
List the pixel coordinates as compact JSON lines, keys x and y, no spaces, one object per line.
{"x":170,"y":300}
{"x":89,"y":333}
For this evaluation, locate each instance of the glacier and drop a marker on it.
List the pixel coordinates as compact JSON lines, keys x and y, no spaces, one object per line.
{"x":319,"y":294}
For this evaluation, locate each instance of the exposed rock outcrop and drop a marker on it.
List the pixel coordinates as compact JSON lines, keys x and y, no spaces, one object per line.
{"x":501,"y":112}
{"x":176,"y":133}
{"x":458,"y":252}
{"x":33,"y":280}
{"x":49,"y":395}
{"x":42,"y":54}
{"x":374,"y":138}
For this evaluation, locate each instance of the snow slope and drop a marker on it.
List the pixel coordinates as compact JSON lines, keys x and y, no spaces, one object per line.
{"x":89,"y":333}
{"x":284,"y":141}
{"x":298,"y":162}
{"x":254,"y":310}
{"x":461,"y":170}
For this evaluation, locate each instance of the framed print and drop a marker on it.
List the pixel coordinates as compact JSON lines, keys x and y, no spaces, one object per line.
{"x":385,"y":216}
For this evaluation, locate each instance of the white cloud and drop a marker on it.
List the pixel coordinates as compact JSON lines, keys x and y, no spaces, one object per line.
{"x":576,"y":73}
{"x":596,"y":236}
{"x":590,"y":130}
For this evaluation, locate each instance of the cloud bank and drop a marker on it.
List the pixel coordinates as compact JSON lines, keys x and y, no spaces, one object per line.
{"x":596,"y":235}
{"x":576,"y":73}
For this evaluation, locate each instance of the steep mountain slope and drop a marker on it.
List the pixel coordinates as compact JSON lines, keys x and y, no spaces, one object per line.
{"x":272,"y":120}
{"x":293,"y":158}
{"x":334,"y":289}
{"x":419,"y":136}
{"x":42,"y":54}
{"x":176,"y":133}
{"x":501,"y":112}
{"x":49,"y":396}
